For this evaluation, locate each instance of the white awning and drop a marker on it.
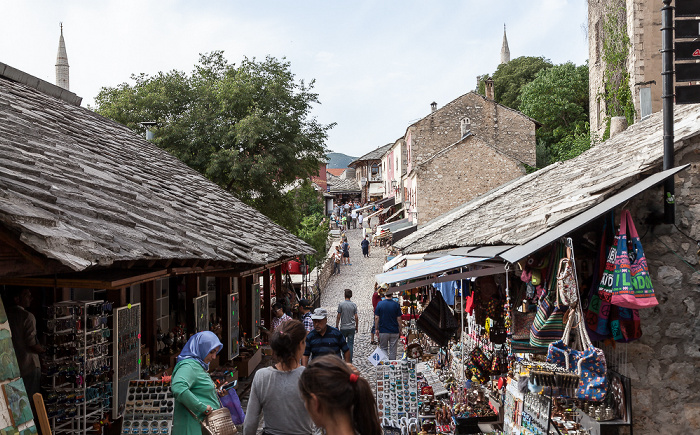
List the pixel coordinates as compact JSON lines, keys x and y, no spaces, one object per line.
{"x":376,"y":189}
{"x":410,"y":259}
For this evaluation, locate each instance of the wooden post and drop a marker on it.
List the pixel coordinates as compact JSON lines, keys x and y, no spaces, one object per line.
{"x":41,"y":415}
{"x":148,"y":316}
{"x":267,"y":312}
{"x":191,"y":292}
{"x":223,"y":292}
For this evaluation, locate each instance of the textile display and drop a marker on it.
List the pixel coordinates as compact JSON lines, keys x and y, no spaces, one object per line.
{"x":632,"y":285}
{"x":548,"y":325}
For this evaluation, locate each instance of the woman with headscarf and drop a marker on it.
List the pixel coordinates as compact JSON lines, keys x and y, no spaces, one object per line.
{"x":193,"y":389}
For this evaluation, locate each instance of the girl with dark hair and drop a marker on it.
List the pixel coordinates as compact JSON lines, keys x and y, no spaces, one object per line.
{"x":338,"y":399}
{"x":275,"y":390}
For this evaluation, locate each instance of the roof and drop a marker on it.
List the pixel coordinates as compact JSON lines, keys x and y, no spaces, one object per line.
{"x":373,"y":155}
{"x":88,"y":192}
{"x":340,"y":185}
{"x":337,"y":172}
{"x":531,"y":205}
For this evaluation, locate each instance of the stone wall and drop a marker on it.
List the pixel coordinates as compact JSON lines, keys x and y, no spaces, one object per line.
{"x":470,"y":168}
{"x":508,"y":130}
{"x":663,"y":365}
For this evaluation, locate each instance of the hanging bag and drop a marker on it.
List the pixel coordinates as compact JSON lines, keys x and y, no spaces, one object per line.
{"x":588,"y":364}
{"x":632,"y":286}
{"x":566,"y":283}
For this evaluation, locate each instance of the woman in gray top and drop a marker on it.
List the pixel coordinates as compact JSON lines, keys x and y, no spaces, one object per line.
{"x":275,"y":390}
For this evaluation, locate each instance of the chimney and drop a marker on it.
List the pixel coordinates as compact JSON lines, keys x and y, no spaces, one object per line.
{"x":433,"y":107}
{"x":618,"y":124}
{"x":488,"y":85}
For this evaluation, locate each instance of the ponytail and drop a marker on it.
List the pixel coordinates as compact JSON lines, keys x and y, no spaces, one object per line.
{"x":341,"y":391}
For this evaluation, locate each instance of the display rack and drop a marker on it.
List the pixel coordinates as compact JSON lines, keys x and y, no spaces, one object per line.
{"x":76,"y":366}
{"x":234,"y":327}
{"x":255,"y":318}
{"x":201,"y":310}
{"x":397,"y":394}
{"x":162,"y":307}
{"x":149,"y":408}
{"x":126,"y":353}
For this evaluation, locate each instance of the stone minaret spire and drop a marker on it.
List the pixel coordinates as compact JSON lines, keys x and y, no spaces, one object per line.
{"x":505,"y":52}
{"x":62,"y":64}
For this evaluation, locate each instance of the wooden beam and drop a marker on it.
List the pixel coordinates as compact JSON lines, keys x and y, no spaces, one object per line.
{"x":25,"y":251}
{"x":267,"y":311}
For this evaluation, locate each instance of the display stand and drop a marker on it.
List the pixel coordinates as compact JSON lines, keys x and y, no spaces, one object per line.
{"x":126,"y":353}
{"x":149,"y":408}
{"x":234,"y":327}
{"x":201,"y":313}
{"x":79,"y":391}
{"x":397,"y":395}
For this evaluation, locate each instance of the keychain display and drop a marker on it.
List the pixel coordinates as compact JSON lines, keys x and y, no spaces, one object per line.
{"x":149,"y":408}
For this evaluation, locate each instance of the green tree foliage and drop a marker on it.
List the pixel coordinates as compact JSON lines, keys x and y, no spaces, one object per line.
{"x":247,"y":128}
{"x":558,"y":99}
{"x":510,"y":78}
{"x":305,"y":212}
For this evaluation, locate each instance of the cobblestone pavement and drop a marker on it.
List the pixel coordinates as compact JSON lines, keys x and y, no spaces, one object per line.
{"x":360,"y":278}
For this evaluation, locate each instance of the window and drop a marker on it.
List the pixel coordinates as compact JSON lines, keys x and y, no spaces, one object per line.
{"x":465,"y":126}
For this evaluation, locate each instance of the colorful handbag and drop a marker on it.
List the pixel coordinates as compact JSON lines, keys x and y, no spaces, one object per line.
{"x":632,"y":286}
{"x":598,"y":311}
{"x":522,"y":322}
{"x":566,"y":282}
{"x":588,"y":364}
{"x":548,"y":325}
{"x":625,"y":324}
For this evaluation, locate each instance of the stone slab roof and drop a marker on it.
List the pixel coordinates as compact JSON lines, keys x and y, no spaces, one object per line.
{"x":88,"y":192}
{"x":373,"y":155}
{"x":343,"y":185}
{"x":527,"y":207}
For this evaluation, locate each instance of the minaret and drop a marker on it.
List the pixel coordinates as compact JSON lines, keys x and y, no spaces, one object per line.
{"x":505,"y":52}
{"x":62,"y":64}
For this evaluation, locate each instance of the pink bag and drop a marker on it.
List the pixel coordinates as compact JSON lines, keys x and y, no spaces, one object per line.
{"x":632,"y":286}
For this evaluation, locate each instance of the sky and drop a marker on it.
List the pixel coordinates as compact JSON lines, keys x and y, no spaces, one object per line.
{"x":377,"y":65}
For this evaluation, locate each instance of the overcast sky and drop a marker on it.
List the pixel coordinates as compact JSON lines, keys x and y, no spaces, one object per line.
{"x":377,"y":64}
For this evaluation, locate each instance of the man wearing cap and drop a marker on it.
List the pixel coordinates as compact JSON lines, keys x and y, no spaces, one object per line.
{"x":305,"y":312}
{"x":324,"y":339}
{"x":387,"y":320}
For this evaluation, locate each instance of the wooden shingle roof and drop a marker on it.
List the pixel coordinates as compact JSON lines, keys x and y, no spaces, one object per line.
{"x":88,"y":192}
{"x":529,"y":206}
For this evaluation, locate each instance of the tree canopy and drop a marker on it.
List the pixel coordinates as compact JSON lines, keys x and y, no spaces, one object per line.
{"x":510,"y":78}
{"x":247,"y":128}
{"x":558,"y":99}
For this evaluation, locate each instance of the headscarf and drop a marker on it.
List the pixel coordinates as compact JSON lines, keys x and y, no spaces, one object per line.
{"x":199,"y":345}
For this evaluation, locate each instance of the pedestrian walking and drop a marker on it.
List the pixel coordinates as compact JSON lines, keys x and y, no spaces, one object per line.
{"x":305,"y":313}
{"x":376,"y":297}
{"x":324,"y":339}
{"x":365,"y":247}
{"x":347,"y":320}
{"x":360,"y":218}
{"x":337,"y":258}
{"x":344,"y":221}
{"x":387,"y":320}
{"x":338,"y":399}
{"x":194,"y":392}
{"x":275,"y":392}
{"x":345,"y":246}
{"x":353,"y":215}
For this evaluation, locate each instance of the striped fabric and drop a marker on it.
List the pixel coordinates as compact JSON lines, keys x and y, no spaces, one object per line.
{"x":548,"y":326}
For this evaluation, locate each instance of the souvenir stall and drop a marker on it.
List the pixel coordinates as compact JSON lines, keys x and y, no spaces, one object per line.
{"x":531,"y":348}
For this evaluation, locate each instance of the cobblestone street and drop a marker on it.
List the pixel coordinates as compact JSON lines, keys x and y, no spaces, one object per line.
{"x":360,"y":278}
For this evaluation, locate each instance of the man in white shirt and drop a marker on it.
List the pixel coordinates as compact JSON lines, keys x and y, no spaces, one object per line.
{"x":353,"y":215}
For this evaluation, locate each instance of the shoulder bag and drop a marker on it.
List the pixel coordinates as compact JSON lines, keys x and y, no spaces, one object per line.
{"x":218,"y":422}
{"x":632,"y":287}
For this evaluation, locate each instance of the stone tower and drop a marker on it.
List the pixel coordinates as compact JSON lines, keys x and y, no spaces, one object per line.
{"x":62,"y":64}
{"x":505,"y":52}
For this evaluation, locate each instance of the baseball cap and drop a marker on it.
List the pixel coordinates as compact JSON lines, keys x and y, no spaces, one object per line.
{"x":319,"y":314}
{"x":305,"y":303}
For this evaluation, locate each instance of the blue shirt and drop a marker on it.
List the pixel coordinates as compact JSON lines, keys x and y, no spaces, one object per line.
{"x":332,"y":342}
{"x":388,"y":311}
{"x":448,"y":290}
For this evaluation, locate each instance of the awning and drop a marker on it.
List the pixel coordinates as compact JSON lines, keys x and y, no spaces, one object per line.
{"x":376,"y":188}
{"x":395,"y":215}
{"x":481,"y":251}
{"x":427,"y":268}
{"x":386,"y":202}
{"x":378,"y":212}
{"x":522,"y":251}
{"x":398,"y":259}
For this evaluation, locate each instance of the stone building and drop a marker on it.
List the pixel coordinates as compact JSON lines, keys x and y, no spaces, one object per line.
{"x":641,"y":23}
{"x":467,"y":147}
{"x":571,"y":199}
{"x":368,"y":173}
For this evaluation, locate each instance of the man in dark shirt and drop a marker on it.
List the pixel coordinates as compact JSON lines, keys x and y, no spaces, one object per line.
{"x":324,"y":339}
{"x":387,"y":320}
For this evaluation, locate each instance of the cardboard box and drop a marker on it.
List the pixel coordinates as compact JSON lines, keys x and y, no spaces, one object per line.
{"x":247,"y":363}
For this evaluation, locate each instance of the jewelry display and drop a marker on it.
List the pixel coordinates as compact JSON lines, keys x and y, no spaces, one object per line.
{"x":149,"y":408}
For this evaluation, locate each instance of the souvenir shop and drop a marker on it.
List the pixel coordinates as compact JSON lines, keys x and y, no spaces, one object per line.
{"x":529,"y":345}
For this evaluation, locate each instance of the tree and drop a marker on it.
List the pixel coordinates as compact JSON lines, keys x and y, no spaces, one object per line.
{"x":558,"y":99}
{"x":510,"y":78}
{"x":246,"y":128}
{"x":305,"y":212}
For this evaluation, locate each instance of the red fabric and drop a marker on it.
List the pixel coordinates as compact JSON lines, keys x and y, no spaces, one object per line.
{"x":409,"y":316}
{"x":469,"y":307}
{"x":375,"y":300}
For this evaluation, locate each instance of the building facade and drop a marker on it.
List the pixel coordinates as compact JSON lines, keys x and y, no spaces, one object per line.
{"x":368,"y":173}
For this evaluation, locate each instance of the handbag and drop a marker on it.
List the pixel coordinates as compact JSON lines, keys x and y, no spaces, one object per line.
{"x":625,"y":324}
{"x":566,"y":282}
{"x":233,"y":403}
{"x":588,"y":364}
{"x":596,"y":311}
{"x":632,"y":285}
{"x":548,"y":325}
{"x":218,"y":422}
{"x":497,"y":332}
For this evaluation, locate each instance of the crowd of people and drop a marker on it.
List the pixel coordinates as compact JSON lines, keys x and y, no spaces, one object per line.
{"x":312,"y":384}
{"x":348,"y":215}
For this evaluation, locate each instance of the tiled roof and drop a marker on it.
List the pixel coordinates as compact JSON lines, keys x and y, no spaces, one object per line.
{"x":88,"y":192}
{"x":336,"y":171}
{"x":527,"y":207}
{"x":373,"y":155}
{"x":343,"y":185}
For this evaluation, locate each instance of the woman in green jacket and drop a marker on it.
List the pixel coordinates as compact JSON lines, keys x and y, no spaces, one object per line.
{"x":192,"y":386}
